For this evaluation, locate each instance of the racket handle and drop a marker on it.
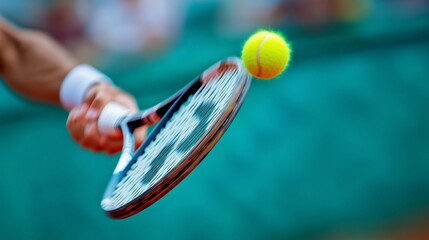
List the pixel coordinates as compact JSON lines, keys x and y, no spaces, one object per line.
{"x":110,"y":117}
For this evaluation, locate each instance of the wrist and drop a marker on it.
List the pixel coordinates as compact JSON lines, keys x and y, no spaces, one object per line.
{"x":78,"y":82}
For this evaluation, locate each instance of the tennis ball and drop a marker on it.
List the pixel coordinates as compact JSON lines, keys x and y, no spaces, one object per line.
{"x":266,"y":54}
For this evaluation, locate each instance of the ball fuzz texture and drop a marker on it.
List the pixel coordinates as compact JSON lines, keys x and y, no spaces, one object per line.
{"x":266,"y":54}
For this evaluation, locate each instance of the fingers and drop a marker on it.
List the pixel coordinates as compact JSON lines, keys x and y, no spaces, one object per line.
{"x":113,"y":146}
{"x":75,"y":122}
{"x":101,"y":94}
{"x":91,"y":137}
{"x":82,"y":121}
{"x":85,"y":132}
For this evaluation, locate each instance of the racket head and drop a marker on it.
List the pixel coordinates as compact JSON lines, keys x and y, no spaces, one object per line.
{"x":187,"y":132}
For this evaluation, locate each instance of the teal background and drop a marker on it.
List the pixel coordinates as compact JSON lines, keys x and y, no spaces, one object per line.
{"x":335,"y":148}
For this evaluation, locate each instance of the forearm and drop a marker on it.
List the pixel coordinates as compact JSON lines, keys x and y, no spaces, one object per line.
{"x":33,"y":64}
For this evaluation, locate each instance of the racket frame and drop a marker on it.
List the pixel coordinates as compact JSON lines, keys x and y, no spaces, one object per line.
{"x":162,"y":113}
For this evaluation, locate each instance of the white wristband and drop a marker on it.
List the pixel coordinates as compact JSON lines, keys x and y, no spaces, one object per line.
{"x":77,"y":83}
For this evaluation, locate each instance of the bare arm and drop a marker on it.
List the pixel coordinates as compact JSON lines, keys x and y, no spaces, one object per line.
{"x":35,"y":66}
{"x":32,"y":64}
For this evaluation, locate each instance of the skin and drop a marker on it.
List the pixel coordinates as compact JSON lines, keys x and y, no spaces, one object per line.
{"x":34,"y":65}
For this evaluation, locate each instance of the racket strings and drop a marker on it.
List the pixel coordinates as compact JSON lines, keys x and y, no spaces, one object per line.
{"x":179,"y":136}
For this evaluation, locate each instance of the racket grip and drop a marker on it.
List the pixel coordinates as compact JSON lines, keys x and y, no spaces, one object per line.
{"x":110,"y":117}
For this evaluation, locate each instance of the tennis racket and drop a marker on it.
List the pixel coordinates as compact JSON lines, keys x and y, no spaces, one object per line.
{"x":189,"y":124}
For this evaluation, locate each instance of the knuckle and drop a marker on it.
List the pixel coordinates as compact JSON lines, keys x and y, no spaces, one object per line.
{"x":114,"y":151}
{"x":97,"y":149}
{"x":76,"y":137}
{"x":86,"y":144}
{"x":87,"y":141}
{"x":110,"y":151}
{"x":102,"y":144}
{"x":100,"y":100}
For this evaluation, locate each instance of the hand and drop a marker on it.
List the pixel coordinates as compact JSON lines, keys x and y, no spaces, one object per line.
{"x":82,"y":121}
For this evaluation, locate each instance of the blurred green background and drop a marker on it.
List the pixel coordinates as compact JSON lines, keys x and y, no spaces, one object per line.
{"x":335,"y":148}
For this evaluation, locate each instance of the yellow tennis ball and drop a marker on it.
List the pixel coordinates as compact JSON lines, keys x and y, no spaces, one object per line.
{"x":266,"y":54}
